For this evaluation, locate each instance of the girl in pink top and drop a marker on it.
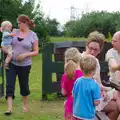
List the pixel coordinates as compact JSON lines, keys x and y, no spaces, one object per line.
{"x":72,"y":72}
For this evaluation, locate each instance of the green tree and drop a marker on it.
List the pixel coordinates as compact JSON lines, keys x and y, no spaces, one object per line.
{"x":11,"y":9}
{"x":70,"y":29}
{"x":52,"y":27}
{"x":101,"y":21}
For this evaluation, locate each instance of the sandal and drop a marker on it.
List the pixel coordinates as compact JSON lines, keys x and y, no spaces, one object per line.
{"x":8,"y":113}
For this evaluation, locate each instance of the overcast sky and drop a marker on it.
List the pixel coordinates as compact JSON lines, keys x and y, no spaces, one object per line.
{"x":60,"y":9}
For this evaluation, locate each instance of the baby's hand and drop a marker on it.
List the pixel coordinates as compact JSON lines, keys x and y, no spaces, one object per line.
{"x":14,"y":30}
{"x":12,"y":34}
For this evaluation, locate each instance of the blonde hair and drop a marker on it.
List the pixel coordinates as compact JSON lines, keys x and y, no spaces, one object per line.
{"x":4,"y":23}
{"x":96,"y":33}
{"x":88,"y":64}
{"x":72,"y":59}
{"x":70,"y":68}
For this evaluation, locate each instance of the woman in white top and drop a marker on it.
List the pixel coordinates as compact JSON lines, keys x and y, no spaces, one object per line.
{"x":94,"y":45}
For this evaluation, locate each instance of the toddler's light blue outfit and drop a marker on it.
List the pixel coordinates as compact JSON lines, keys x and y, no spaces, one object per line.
{"x":7,"y":41}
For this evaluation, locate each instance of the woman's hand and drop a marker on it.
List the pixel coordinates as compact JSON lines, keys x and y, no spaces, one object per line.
{"x":21,"y":57}
{"x":104,"y":95}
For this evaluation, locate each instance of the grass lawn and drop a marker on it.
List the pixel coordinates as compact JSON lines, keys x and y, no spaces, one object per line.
{"x":63,"y":39}
{"x":39,"y":110}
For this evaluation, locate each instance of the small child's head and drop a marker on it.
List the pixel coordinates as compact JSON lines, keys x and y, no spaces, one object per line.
{"x":72,"y":54}
{"x":6,"y":25}
{"x":88,"y":64}
{"x":72,"y":59}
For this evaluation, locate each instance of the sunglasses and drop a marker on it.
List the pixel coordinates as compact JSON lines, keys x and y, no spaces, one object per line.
{"x":20,"y":39}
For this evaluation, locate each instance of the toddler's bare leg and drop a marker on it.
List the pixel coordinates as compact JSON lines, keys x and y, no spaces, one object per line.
{"x":7,"y":60}
{"x":5,"y":49}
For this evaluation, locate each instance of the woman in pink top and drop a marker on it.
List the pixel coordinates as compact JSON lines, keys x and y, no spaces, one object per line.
{"x":72,"y":72}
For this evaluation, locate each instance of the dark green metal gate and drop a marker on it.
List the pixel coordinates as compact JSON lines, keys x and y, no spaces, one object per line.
{"x":50,"y":66}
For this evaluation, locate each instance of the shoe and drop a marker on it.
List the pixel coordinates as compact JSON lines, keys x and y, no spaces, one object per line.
{"x":8,"y":113}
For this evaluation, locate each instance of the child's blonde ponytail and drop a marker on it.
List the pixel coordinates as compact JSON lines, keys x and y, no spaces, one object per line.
{"x":70,"y":68}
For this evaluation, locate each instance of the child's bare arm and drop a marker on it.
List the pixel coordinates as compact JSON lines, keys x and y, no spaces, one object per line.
{"x":11,"y":34}
{"x":63,"y":91}
{"x":96,"y":94}
{"x":96,"y":102}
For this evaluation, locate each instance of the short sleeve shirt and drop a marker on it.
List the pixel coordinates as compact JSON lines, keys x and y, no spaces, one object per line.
{"x":113,"y":54}
{"x":24,"y":46}
{"x":85,"y":92}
